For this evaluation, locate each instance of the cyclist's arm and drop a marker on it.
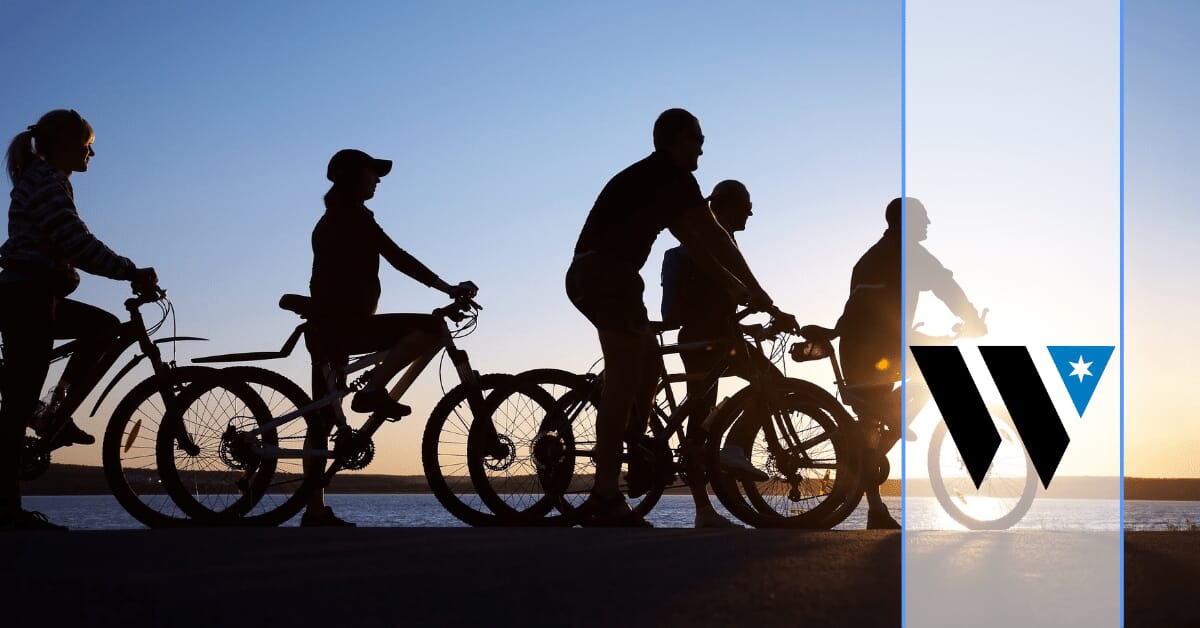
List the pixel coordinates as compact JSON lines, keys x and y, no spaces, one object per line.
{"x":715,"y":252}
{"x":56,"y":216}
{"x":404,"y":262}
{"x":945,"y":287}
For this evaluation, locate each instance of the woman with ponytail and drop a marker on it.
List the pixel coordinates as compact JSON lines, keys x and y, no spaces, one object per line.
{"x":47,"y":242}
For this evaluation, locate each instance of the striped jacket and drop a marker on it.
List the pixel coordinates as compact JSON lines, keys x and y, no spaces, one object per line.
{"x":46,"y":235}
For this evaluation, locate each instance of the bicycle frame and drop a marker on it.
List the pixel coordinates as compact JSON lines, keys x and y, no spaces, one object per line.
{"x":335,"y":376}
{"x":666,"y":423}
{"x":130,"y":333}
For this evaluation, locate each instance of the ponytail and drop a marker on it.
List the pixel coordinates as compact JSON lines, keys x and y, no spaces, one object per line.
{"x":20,"y":154}
{"x":48,"y":134}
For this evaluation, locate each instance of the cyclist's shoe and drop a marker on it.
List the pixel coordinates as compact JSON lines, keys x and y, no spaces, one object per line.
{"x":733,"y":460}
{"x":639,"y":477}
{"x":324,"y":519}
{"x":379,"y":401}
{"x":710,"y":518}
{"x":66,"y":435}
{"x":612,"y":512}
{"x":28,"y":520}
{"x":881,"y":520}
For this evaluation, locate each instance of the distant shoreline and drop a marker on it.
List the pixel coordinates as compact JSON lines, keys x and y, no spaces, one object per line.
{"x":63,"y":479}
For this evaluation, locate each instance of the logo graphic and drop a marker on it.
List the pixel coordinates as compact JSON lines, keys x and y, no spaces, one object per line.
{"x":1081,"y":368}
{"x":1028,"y":402}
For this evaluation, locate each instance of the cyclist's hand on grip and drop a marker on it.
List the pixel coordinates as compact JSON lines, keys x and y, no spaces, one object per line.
{"x":144,"y":280}
{"x":783,"y":322}
{"x":464,"y":290}
{"x":971,"y":327}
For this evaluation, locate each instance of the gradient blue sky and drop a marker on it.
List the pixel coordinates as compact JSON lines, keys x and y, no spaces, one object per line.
{"x":1162,"y":97}
{"x":214,"y":123}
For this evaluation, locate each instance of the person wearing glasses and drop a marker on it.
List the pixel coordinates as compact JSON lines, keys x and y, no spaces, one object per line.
{"x":604,"y":283}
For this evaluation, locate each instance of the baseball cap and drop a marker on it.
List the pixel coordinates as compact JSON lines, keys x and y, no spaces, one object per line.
{"x":350,"y":160}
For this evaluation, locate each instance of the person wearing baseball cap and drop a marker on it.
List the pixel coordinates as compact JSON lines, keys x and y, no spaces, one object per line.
{"x":347,"y":245}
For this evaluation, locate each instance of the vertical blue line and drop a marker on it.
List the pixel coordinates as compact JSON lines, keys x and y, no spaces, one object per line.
{"x":1121,"y":505}
{"x":903,"y":326}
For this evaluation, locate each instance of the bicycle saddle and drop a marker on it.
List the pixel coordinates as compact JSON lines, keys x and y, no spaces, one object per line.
{"x":818,"y":333}
{"x":296,"y":303}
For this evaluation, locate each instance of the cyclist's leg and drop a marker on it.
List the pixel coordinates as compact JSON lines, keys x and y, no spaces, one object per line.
{"x":94,"y":330}
{"x":25,"y":324}
{"x":625,"y":356}
{"x":697,"y":364}
{"x":609,"y":294}
{"x":407,"y":336}
{"x":317,"y":436}
{"x":885,"y":404}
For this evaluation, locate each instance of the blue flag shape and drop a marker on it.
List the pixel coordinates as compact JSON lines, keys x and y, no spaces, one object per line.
{"x":1080,"y":369}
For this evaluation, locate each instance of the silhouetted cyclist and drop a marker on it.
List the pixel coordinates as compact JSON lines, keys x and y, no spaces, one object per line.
{"x":47,"y":242}
{"x":872,"y":325}
{"x":347,"y":244}
{"x":603,"y":282}
{"x":703,"y":308}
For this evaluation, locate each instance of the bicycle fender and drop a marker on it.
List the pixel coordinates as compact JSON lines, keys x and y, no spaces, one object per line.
{"x":129,"y":367}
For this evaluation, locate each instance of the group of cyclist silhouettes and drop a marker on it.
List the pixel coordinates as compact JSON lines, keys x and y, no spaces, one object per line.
{"x":705,"y":280}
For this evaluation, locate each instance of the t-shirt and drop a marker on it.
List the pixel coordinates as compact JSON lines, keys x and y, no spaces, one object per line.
{"x":347,"y":244}
{"x":635,"y":206}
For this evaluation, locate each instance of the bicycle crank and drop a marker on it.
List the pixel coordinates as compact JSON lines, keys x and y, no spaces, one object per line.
{"x":35,"y":459}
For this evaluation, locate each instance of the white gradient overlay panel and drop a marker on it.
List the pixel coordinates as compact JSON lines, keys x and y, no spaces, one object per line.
{"x":1013,"y":146}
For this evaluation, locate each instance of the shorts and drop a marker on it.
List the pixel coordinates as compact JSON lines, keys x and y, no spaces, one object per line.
{"x":338,"y":337}
{"x":608,"y":292}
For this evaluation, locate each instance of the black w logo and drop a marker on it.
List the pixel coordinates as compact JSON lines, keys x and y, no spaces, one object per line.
{"x":967,"y":417}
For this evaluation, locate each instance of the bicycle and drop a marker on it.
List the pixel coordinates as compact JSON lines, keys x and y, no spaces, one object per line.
{"x":238,"y":477}
{"x":1010,"y":486}
{"x":803,"y":419}
{"x":133,"y":426}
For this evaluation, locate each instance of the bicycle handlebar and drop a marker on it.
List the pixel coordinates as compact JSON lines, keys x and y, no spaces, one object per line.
{"x":458,"y":310}
{"x":145,"y":297}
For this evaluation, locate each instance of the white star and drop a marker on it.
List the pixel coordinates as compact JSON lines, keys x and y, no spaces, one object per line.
{"x":1081,"y":369}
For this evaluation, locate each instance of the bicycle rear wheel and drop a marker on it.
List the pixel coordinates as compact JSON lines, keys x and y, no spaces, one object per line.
{"x":802,"y":446}
{"x":215,"y":483}
{"x":286,"y":492}
{"x":575,"y":420}
{"x":127,"y":451}
{"x":1007,"y":491}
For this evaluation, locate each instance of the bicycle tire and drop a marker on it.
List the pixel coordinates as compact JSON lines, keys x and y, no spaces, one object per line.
{"x":129,"y":445}
{"x":788,"y":499}
{"x":444,"y":452}
{"x":287,"y":491}
{"x":209,"y":486}
{"x":578,"y":404}
{"x":513,"y":485}
{"x":999,"y":491}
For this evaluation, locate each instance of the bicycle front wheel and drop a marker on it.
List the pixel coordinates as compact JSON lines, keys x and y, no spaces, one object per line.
{"x":444,"y":451}
{"x":507,"y":448}
{"x":130,"y":438}
{"x":213,"y":478}
{"x":803,"y":444}
{"x":1008,"y":488}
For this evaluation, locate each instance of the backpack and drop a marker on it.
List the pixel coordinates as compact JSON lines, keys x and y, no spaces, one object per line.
{"x":676,"y":274}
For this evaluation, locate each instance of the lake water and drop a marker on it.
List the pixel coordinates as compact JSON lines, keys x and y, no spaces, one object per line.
{"x":102,"y":512}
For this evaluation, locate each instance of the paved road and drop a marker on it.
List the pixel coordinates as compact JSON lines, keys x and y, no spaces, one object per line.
{"x":222,"y":578}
